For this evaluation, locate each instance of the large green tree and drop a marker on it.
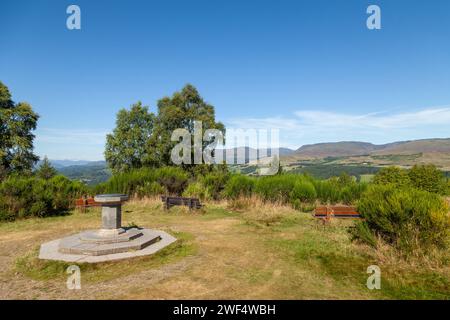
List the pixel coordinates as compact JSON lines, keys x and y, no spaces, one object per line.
{"x":126,"y":147}
{"x":142,"y":139}
{"x":180,"y":110}
{"x":17,"y":122}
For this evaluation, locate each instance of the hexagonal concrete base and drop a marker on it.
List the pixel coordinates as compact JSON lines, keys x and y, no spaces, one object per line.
{"x":73,"y":249}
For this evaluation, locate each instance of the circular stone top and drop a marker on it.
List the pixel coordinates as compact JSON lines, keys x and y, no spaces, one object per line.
{"x":110,"y":198}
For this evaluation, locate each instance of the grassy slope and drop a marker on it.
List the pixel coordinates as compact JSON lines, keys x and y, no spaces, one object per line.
{"x":257,"y":252}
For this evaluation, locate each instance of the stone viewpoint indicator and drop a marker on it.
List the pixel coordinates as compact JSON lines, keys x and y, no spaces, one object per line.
{"x":111,"y":242}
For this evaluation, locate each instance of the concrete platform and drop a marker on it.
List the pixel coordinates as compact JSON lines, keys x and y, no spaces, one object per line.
{"x":74,"y":249}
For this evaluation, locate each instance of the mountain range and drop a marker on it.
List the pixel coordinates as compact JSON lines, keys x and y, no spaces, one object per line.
{"x":353,"y":148}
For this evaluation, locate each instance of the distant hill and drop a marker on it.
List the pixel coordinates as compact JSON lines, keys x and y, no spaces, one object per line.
{"x":336,"y":149}
{"x":417,"y":146}
{"x":89,"y":172}
{"x":360,"y":158}
{"x":356,"y":148}
{"x":67,"y":163}
{"x":251,"y":154}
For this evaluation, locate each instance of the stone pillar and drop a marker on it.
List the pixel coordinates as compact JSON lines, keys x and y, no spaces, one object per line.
{"x":111,"y":216}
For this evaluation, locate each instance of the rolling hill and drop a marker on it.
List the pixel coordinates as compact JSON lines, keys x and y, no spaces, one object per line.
{"x":360,"y":158}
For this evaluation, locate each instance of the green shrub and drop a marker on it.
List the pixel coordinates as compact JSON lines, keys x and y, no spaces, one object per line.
{"x":215,"y":183}
{"x":352,"y":192}
{"x":276,"y":188}
{"x":303,"y":191}
{"x":422,"y":177}
{"x":239,"y":186}
{"x":345,"y":179}
{"x":150,"y":189}
{"x":22,"y":197}
{"x":428,"y":178}
{"x":137,"y":182}
{"x":392,"y":175}
{"x":362,"y":232}
{"x":405,"y":217}
{"x":198,"y":190}
{"x":328,"y":191}
{"x":174,"y":179}
{"x":127,"y":182}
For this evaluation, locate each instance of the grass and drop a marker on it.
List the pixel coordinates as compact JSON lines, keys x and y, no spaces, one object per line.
{"x":245,"y":249}
{"x":366,"y":178}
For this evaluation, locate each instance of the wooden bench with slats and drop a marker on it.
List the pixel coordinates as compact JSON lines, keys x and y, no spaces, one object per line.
{"x":339,"y":211}
{"x":192,"y":203}
{"x":84,"y":203}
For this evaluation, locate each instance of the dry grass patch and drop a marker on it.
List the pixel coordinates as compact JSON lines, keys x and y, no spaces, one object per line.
{"x":255,"y":210}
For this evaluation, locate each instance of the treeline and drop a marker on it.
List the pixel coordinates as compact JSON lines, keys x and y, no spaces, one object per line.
{"x":325,"y":171}
{"x":25,"y":192}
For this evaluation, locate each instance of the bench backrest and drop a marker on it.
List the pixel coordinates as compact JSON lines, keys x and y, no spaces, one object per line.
{"x":89,"y":202}
{"x":173,"y":201}
{"x":337,"y":211}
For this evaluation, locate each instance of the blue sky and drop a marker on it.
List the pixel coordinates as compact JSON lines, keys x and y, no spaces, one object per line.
{"x":309,"y":68}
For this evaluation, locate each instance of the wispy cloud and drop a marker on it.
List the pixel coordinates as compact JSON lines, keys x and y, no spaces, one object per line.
{"x":84,"y":136}
{"x":73,"y":144}
{"x":431,"y":116}
{"x":313,"y":126}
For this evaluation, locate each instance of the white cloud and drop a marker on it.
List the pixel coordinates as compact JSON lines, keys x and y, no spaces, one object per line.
{"x":313,"y":126}
{"x":431,"y":116}
{"x":73,"y":144}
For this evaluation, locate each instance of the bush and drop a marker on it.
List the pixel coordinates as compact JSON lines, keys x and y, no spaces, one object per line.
{"x":428,"y":178}
{"x":276,"y":188}
{"x":150,"y":189}
{"x":22,"y":197}
{"x":143,"y":182}
{"x":197,"y":190}
{"x":422,"y":177}
{"x":174,"y":179}
{"x":127,"y":182}
{"x":239,"y":186}
{"x":328,"y":191}
{"x":392,"y":175}
{"x":215,"y":183}
{"x":352,"y":192}
{"x":404,"y":217}
{"x":303,"y":191}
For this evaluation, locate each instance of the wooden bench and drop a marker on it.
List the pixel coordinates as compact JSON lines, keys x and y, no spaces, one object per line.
{"x":192,"y":203}
{"x":84,"y":203}
{"x":328,"y":212}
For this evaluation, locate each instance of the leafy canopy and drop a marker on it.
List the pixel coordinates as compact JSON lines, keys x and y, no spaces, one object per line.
{"x":143,"y":139}
{"x":17,"y":122}
{"x":126,"y":147}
